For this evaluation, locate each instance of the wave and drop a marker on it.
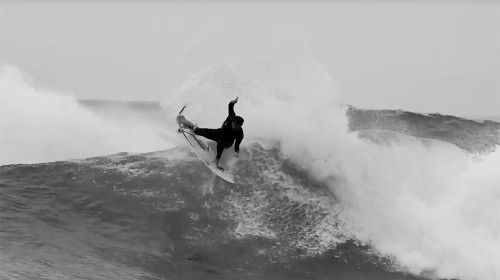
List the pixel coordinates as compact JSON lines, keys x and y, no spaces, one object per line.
{"x":416,"y":204}
{"x":41,"y":125}
{"x":129,"y":216}
{"x":408,"y":198}
{"x":471,"y":135}
{"x":154,"y":215}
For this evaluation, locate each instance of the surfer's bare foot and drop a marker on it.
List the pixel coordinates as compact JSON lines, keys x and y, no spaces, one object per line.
{"x":185,"y":123}
{"x":216,"y":163}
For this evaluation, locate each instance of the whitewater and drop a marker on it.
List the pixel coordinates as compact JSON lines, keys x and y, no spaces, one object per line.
{"x":322,"y":195}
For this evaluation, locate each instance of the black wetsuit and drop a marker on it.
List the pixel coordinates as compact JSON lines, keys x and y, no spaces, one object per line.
{"x":224,"y":136}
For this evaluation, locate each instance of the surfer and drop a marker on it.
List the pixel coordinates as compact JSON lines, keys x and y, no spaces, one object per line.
{"x":230,"y":132}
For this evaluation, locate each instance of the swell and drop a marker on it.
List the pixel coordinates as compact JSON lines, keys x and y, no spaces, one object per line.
{"x":472,"y":136}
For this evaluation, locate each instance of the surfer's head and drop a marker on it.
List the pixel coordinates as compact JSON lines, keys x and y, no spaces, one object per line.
{"x":237,"y":122}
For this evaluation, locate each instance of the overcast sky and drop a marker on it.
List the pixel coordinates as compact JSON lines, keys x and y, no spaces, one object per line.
{"x":437,"y":56}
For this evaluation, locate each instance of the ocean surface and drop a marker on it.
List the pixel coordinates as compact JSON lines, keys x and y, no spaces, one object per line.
{"x":402,"y":196}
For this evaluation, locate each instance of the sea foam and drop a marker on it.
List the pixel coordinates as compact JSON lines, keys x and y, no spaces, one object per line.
{"x":429,"y":205}
{"x":40,"y":125}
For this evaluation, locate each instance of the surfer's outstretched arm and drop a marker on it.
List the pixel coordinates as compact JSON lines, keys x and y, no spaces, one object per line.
{"x":231,"y":107}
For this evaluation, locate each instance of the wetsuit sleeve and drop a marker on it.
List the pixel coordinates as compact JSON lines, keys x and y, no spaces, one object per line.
{"x":231,"y":109}
{"x":237,"y":142}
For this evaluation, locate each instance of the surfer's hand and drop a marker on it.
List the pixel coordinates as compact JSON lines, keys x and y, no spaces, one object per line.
{"x":235,"y":100}
{"x":237,"y":154}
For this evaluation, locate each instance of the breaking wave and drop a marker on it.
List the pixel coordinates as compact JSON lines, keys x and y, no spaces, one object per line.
{"x":40,"y":125}
{"x":313,"y":191}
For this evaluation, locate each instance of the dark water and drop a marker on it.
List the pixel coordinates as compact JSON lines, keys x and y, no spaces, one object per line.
{"x":470,"y":135}
{"x":154,"y":216}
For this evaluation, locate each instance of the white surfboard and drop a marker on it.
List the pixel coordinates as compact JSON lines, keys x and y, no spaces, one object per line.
{"x":206,"y":153}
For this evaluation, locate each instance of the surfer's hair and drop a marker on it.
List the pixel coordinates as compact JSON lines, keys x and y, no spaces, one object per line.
{"x":238,"y":120}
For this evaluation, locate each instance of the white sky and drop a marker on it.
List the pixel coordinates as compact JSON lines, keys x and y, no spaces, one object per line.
{"x":435,"y":56}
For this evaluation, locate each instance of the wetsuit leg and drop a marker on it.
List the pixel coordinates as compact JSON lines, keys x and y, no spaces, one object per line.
{"x":209,"y":133}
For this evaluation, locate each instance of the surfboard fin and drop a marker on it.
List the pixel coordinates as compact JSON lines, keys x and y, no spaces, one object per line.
{"x":182,"y":109}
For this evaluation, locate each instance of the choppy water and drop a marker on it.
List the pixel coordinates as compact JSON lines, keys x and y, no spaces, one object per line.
{"x":321,"y":193}
{"x":163,"y":216}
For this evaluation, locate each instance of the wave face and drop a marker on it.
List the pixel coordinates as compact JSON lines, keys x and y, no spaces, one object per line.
{"x":470,"y":135}
{"x":155,"y":215}
{"x":326,"y":191}
{"x":164,"y":215}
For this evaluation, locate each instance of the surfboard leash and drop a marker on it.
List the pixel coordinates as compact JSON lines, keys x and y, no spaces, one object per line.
{"x":200,"y":143}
